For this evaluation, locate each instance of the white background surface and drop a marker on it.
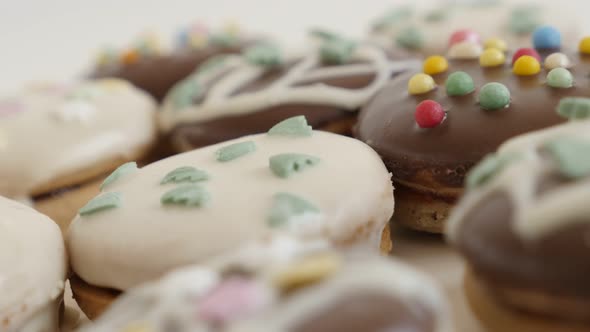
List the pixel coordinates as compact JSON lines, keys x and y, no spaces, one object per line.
{"x":57,"y":39}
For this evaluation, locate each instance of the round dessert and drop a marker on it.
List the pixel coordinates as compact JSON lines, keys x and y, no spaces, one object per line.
{"x":151,"y":68}
{"x":56,"y":141}
{"x":204,"y":203}
{"x":523,"y":228}
{"x":303,"y":290}
{"x":433,"y":29}
{"x":33,"y":270}
{"x":430,"y":128}
{"x":233,"y":96}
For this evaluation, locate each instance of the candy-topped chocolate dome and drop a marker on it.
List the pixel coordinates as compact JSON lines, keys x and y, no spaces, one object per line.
{"x":484,"y":105}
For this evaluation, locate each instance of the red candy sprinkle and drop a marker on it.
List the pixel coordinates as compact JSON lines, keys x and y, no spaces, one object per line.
{"x":464,"y":35}
{"x":429,"y":114}
{"x":526,"y":51}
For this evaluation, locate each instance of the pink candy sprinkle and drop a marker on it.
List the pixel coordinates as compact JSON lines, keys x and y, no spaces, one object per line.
{"x":233,"y":298}
{"x":464,"y":35}
{"x":525,"y":51}
{"x":9,"y":107}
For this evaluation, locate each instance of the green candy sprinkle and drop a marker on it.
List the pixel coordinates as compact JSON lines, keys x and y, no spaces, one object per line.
{"x":459,"y":83}
{"x":437,"y":15}
{"x":411,"y":38}
{"x":524,"y":19}
{"x":185,"y":93}
{"x":337,"y":51}
{"x":284,"y":165}
{"x":494,"y":96}
{"x":572,"y":156}
{"x":394,"y":17}
{"x":286,"y":206}
{"x":101,"y":203}
{"x":185,"y":174}
{"x":294,"y":126}
{"x":487,"y":168}
{"x":236,"y":150}
{"x":186,"y":195}
{"x":560,"y":78}
{"x":211,"y":64}
{"x":264,"y":55}
{"x":223,"y":39}
{"x":121,"y":171}
{"x":324,"y":34}
{"x":574,"y":108}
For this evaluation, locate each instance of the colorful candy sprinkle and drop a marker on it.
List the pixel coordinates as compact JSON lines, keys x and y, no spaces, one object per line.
{"x":337,"y":51}
{"x":459,"y":83}
{"x":465,"y":50}
{"x":233,"y":298}
{"x":557,"y":60}
{"x":307,"y":271}
{"x":10,"y":106}
{"x":429,"y":114}
{"x":265,"y":55}
{"x":584,"y":46}
{"x":286,"y":164}
{"x":286,"y":206}
{"x":488,"y":168}
{"x":526,"y":65}
{"x":186,"y":195}
{"x":185,"y":174}
{"x":574,"y":108}
{"x":496,"y":43}
{"x":130,"y":57}
{"x":411,"y":38}
{"x":525,"y":51}
{"x":572,"y":156}
{"x":560,"y":78}
{"x":234,"y":151}
{"x":435,"y":64}
{"x":546,"y":37}
{"x":295,"y":126}
{"x":464,"y":36}
{"x":121,"y":171}
{"x":492,"y":57}
{"x":102,"y":202}
{"x":494,"y":96}
{"x":421,"y":83}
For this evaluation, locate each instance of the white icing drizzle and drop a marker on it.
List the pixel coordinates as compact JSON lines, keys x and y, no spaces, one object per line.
{"x":59,"y":132}
{"x":33,"y":269}
{"x":535,"y":217}
{"x":350,"y":186}
{"x":219,"y":101}
{"x":177,"y":296}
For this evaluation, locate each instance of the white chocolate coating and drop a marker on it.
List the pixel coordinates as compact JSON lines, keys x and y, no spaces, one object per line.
{"x":219,"y":101}
{"x":57,"y":130}
{"x":535,"y":216}
{"x":179,"y":296}
{"x":489,"y":21}
{"x":32,"y":269}
{"x":143,"y":239}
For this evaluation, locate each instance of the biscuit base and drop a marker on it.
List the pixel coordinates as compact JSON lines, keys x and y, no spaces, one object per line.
{"x":95,"y":300}
{"x":63,"y":207}
{"x":496,"y":316}
{"x":421,"y":211}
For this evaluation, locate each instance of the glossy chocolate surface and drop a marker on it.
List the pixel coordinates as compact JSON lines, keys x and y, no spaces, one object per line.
{"x":158,"y":73}
{"x":468,"y":133}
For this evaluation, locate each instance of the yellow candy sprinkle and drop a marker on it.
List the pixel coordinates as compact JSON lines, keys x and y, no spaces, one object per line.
{"x":198,"y":41}
{"x":435,"y":64}
{"x":492,"y":57}
{"x":421,"y":83}
{"x":130,"y":57}
{"x":113,"y":84}
{"x":585,"y":45}
{"x":496,"y":43}
{"x":136,"y":327}
{"x":557,"y":60}
{"x":526,"y":65}
{"x":232,"y":28}
{"x":309,"y":270}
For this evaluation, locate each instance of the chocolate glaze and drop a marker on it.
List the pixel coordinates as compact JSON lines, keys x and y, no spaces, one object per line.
{"x":194,"y":135}
{"x":468,"y":133}
{"x":370,"y":312}
{"x":158,"y":73}
{"x":557,"y":263}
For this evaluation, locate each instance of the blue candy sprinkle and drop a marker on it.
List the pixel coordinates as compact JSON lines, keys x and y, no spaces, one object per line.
{"x":546,"y":37}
